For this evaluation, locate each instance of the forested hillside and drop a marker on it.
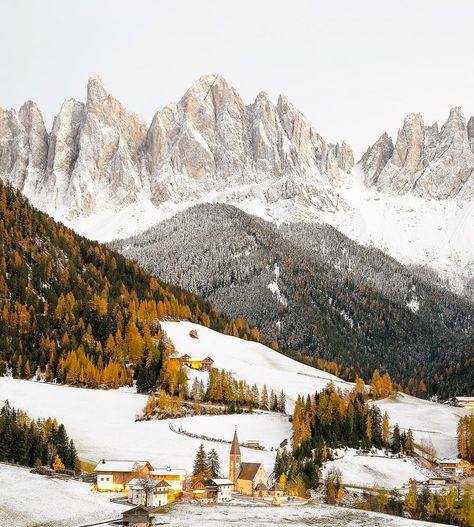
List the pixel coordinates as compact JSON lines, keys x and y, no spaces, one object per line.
{"x":315,"y":292}
{"x":75,"y":311}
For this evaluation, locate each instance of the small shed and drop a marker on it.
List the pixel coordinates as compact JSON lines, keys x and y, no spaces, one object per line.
{"x":261,"y":489}
{"x":136,"y":517}
{"x":275,"y":490}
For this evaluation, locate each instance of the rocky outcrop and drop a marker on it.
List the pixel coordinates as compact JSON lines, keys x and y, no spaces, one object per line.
{"x":98,"y":155}
{"x":23,"y":146}
{"x":376,"y":157}
{"x":425,"y":161}
{"x":470,"y":132}
{"x":212,"y":142}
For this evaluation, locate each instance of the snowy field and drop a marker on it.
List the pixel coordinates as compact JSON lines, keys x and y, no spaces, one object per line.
{"x":428,"y":421}
{"x":251,"y":361}
{"x":261,"y":516}
{"x":32,"y":500}
{"x":264,"y":428}
{"x":368,"y":471}
{"x":102,"y":424}
{"x":29,"y":500}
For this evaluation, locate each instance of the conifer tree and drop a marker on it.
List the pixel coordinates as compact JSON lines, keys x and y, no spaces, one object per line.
{"x":200,"y":467}
{"x":213,"y":464}
{"x":396,"y":444}
{"x":264,"y":398}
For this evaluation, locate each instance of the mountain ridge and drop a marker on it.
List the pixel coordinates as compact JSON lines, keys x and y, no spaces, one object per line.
{"x":105,"y":173}
{"x":314,"y":291}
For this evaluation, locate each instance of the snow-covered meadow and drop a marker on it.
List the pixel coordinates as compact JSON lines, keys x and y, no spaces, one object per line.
{"x":32,"y":500}
{"x":251,"y":361}
{"x":102,"y":424}
{"x":429,"y":421}
{"x":378,"y":470}
{"x":239,"y":515}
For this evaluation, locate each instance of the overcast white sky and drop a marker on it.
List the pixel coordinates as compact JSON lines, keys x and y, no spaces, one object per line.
{"x":354,"y":68}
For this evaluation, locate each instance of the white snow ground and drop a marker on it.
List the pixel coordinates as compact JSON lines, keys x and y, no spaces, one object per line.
{"x":296,"y":516}
{"x":251,"y":361}
{"x":32,"y":500}
{"x":28,"y":500}
{"x":102,"y":424}
{"x":428,"y":421}
{"x":382,"y":471}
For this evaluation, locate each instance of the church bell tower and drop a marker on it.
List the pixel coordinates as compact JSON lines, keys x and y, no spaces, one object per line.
{"x":234,"y":459}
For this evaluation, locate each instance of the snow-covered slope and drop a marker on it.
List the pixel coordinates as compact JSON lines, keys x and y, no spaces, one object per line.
{"x":251,"y":361}
{"x":102,"y":424}
{"x":429,"y":421}
{"x":414,"y":230}
{"x":32,"y":500}
{"x":378,"y":470}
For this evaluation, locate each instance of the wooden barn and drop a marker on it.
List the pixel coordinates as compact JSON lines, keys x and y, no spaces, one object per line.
{"x":136,"y":517}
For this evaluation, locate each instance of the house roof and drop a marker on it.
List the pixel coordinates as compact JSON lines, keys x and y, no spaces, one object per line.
{"x":140,"y":508}
{"x":208,"y":482}
{"x":248,"y":470}
{"x":116,"y":465}
{"x":235,"y":448}
{"x":276,"y":487}
{"x":465,"y":399}
{"x":261,"y":486}
{"x":449,"y":461}
{"x":222,"y":481}
{"x":166,"y":471}
{"x":138,"y":483}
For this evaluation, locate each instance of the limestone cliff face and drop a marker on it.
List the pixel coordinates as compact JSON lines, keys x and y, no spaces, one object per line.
{"x":212,"y":142}
{"x":425,"y":161}
{"x":98,"y":155}
{"x":23,"y":146}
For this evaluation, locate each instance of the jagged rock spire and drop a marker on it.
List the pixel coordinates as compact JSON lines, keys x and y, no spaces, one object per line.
{"x":426,"y":161}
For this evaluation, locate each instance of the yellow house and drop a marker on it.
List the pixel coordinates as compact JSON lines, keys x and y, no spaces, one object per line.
{"x":114,"y":475}
{"x":175,"y":477}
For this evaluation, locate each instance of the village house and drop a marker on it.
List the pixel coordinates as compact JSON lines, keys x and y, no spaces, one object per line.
{"x":136,"y":517}
{"x":246,"y":476}
{"x":462,"y":402}
{"x":217,"y":490}
{"x":175,"y":477}
{"x":454,"y":467}
{"x":197,"y":363}
{"x":114,"y":475}
{"x":148,"y":492}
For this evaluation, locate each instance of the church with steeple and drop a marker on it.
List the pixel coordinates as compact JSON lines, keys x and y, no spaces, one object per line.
{"x":249,"y":478}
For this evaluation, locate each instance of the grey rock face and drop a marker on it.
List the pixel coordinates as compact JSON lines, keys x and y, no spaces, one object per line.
{"x":425,"y":161}
{"x":99,"y":155}
{"x":211,"y":142}
{"x":376,"y":157}
{"x":23,"y":146}
{"x":470,"y":132}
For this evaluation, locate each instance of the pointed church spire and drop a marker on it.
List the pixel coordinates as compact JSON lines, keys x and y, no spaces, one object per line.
{"x":235,"y":448}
